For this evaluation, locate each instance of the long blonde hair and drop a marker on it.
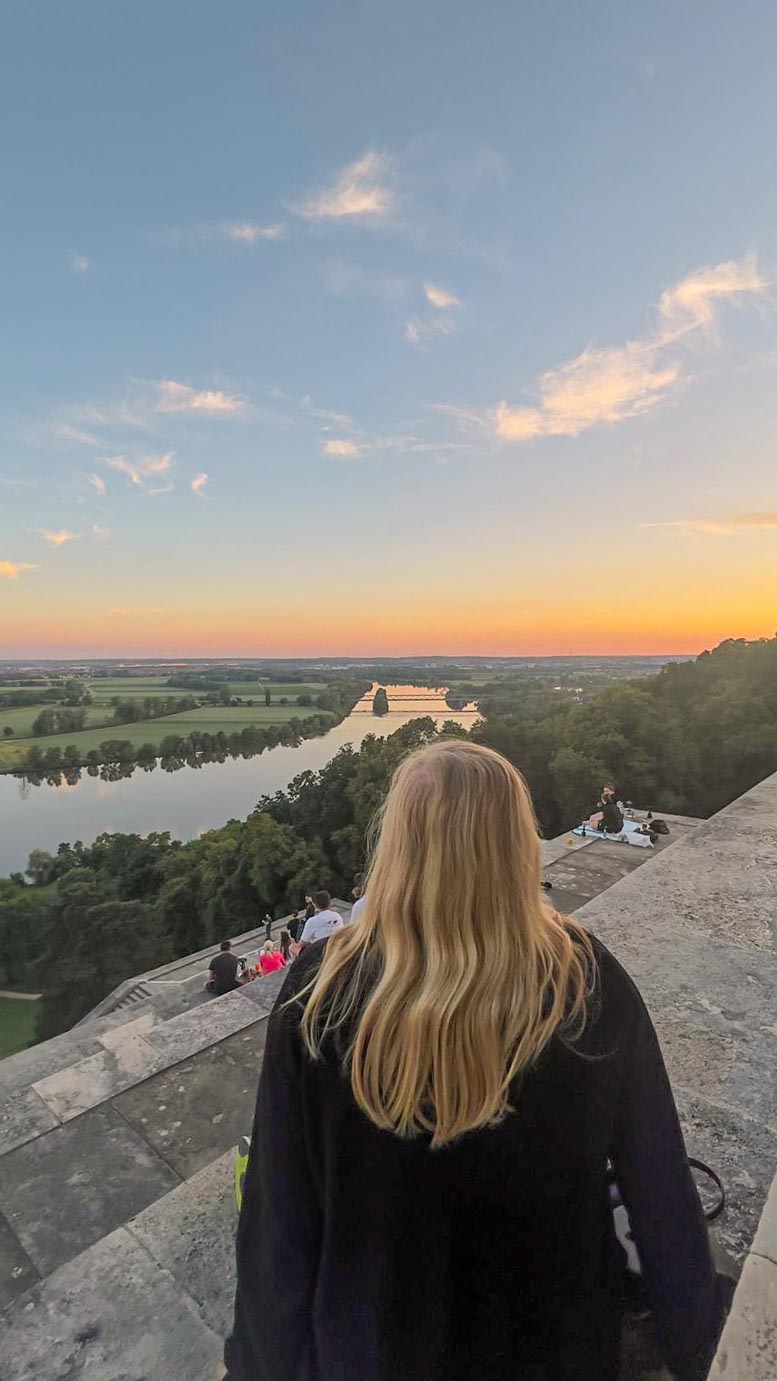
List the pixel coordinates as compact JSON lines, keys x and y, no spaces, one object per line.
{"x":457,"y":974}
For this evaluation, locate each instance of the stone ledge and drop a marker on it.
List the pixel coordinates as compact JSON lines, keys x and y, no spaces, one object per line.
{"x":112,"y":1313}
{"x":748,"y":1346}
{"x":765,"y":1240}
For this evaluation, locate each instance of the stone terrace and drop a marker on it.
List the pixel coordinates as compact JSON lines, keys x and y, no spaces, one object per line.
{"x":116,"y":1202}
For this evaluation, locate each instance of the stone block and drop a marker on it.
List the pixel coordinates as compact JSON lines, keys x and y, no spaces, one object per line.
{"x":747,"y":1350}
{"x":194,"y":1030}
{"x":23,"y":1116}
{"x":17,"y":1272}
{"x":128,"y":1059}
{"x":191,"y":1233}
{"x":73,"y":1185}
{"x":111,"y":1314}
{"x":195,"y":1111}
{"x":27,"y":1066}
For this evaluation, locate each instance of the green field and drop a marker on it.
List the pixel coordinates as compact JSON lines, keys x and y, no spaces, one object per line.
{"x":21,"y":719}
{"x":17,"y":1024}
{"x":129,"y":687}
{"x":207,"y":718}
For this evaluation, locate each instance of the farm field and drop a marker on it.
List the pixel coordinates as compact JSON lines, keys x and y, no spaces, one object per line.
{"x":209,"y":719}
{"x":130,"y":687}
{"x":21,"y":719}
{"x":99,"y":725}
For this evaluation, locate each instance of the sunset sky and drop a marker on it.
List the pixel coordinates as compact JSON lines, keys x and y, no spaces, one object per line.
{"x":387,"y":328}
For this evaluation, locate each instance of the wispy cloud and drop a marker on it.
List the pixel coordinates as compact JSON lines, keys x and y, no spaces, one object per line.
{"x":144,"y":473}
{"x":342,"y":449}
{"x":175,"y":397}
{"x":11,"y":570}
{"x":80,"y":265}
{"x":127,"y":611}
{"x":249,"y":232}
{"x":198,"y":484}
{"x":722,"y":527}
{"x":97,"y":482}
{"x":211,"y":234}
{"x":99,"y":531}
{"x":63,"y":431}
{"x":344,"y":279}
{"x":362,"y":192}
{"x":693,"y":303}
{"x":440,"y":297}
{"x":611,"y":384}
{"x":59,"y":538}
{"x":417,"y":330}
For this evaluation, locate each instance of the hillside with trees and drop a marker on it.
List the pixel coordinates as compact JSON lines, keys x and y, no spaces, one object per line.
{"x":688,"y":740}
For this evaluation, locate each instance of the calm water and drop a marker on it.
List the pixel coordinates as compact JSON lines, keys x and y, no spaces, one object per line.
{"x":193,"y":799}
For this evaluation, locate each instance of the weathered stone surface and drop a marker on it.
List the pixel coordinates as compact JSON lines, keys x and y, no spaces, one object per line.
{"x":27,"y":1066}
{"x":92,"y":1081}
{"x":264,"y":991}
{"x":112,"y":1314}
{"x":184,"y":1035}
{"x":76,"y":1183}
{"x":748,"y":1347}
{"x":23,"y":1116}
{"x":191,"y":1232}
{"x":17,"y":1272}
{"x":720,"y":881}
{"x":744,"y":1154}
{"x":198,"y":1109}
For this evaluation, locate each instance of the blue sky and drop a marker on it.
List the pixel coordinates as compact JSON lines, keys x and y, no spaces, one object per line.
{"x":449,"y":304}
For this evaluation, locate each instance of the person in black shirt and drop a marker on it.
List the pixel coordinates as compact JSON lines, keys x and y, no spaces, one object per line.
{"x":445,"y":1086}
{"x":222,"y":974}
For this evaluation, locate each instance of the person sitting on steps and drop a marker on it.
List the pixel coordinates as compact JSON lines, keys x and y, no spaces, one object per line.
{"x":222,"y":974}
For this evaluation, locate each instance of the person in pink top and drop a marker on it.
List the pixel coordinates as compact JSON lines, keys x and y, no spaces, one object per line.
{"x":271,"y":958}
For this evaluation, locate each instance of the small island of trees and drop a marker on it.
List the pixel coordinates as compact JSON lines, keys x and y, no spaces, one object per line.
{"x":380,"y":703}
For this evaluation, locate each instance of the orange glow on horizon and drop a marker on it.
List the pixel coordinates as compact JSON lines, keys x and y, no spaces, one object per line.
{"x":472,"y":630}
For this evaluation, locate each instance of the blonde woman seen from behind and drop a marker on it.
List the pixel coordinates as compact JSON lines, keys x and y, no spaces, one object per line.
{"x":443,"y":1087}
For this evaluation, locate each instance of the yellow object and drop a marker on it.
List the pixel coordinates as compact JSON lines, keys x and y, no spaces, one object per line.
{"x":241,"y":1165}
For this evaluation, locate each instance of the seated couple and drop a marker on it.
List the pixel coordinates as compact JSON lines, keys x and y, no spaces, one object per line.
{"x":608,"y":816}
{"x":224,"y":973}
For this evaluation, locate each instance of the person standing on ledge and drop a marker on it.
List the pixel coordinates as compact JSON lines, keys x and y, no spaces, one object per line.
{"x":443,"y":1087}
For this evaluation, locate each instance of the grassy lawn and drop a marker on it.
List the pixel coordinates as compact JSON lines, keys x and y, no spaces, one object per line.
{"x":17,"y":1024}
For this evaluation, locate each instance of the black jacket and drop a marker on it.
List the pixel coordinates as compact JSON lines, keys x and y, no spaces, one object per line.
{"x":362,"y":1257}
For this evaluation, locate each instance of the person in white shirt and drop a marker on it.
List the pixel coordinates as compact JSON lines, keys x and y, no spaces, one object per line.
{"x":323,"y":923}
{"x":359,"y":899}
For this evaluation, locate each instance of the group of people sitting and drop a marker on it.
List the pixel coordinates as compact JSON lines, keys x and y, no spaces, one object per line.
{"x":227,"y":971}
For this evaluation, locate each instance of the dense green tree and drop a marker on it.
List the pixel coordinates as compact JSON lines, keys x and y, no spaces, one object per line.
{"x":380,"y":702}
{"x":8,"y":731}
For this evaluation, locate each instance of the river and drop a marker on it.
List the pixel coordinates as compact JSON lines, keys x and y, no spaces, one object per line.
{"x":191,"y":800}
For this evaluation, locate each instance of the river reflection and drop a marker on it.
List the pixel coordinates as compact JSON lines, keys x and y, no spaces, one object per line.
{"x":184,"y":798}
